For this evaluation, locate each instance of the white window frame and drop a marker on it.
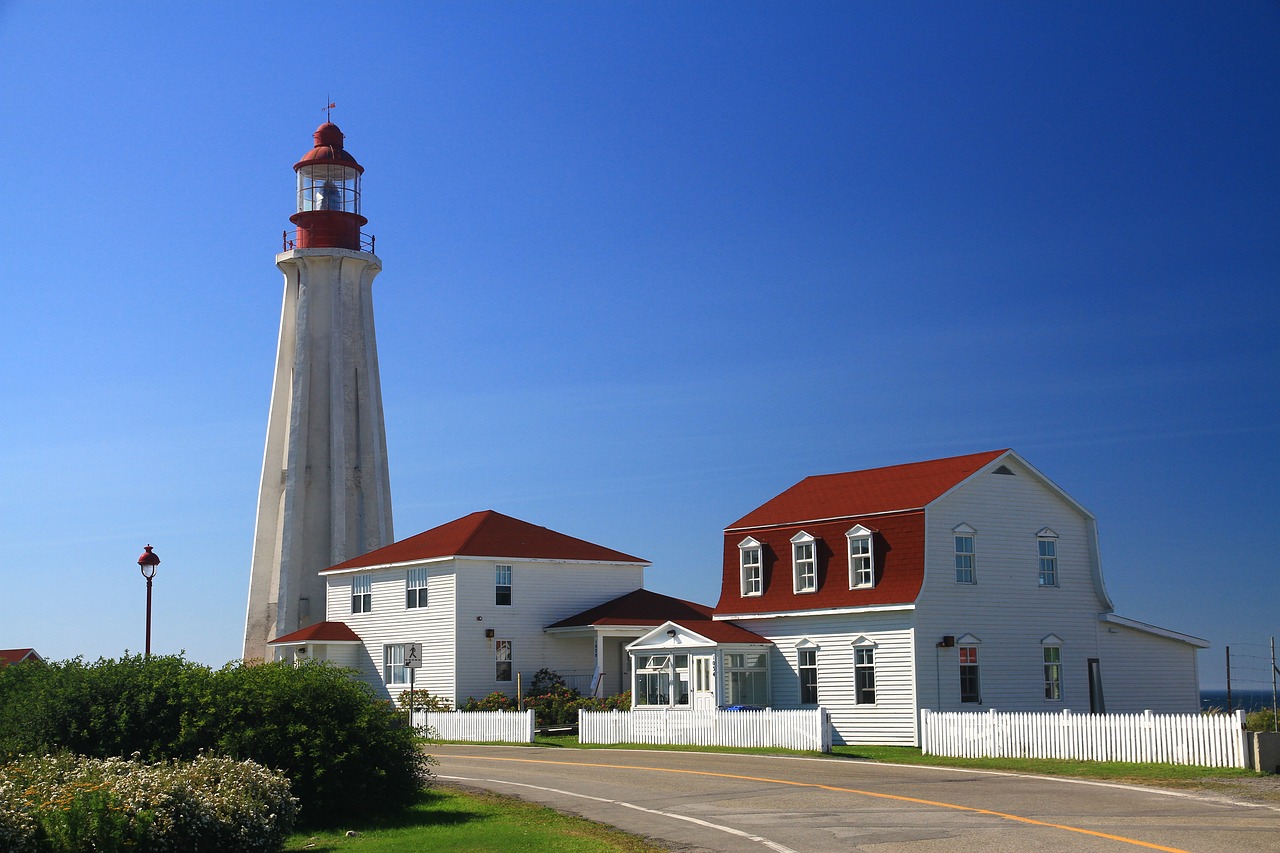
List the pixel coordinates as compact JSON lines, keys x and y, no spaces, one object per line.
{"x":801,"y":542}
{"x":502,"y":586}
{"x":736,"y":669}
{"x":862,"y":559}
{"x":807,"y":664}
{"x":669,"y":671}
{"x":361,"y":593}
{"x":394,"y":671}
{"x":1051,"y":659}
{"x":751,"y":574}
{"x":504,"y":653}
{"x":864,"y":669}
{"x":974,"y":664}
{"x":415,"y":588}
{"x":1047,"y":552}
{"x":965,"y":537}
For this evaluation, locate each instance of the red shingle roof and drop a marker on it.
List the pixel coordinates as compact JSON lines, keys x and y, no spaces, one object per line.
{"x":11,"y":656}
{"x":639,"y":607}
{"x":489,"y":534}
{"x":859,"y":493}
{"x":321,"y":632}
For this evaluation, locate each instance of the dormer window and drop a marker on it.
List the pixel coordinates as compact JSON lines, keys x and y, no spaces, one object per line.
{"x":751,"y":564}
{"x":804,"y":562}
{"x":862,"y":569}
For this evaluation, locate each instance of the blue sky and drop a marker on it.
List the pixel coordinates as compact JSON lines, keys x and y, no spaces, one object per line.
{"x":646,"y":265}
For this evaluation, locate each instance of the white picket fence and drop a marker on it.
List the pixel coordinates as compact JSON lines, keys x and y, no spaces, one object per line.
{"x":804,"y":729}
{"x":483,"y":726}
{"x":1206,"y":740}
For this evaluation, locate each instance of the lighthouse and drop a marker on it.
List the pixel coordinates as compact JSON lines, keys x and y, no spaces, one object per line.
{"x":325,"y":494}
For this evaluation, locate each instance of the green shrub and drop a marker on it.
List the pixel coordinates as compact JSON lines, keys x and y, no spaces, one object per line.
{"x":67,"y":804}
{"x":546,"y":681}
{"x":346,"y":752}
{"x":1262,"y":720}
{"x":495,"y":701}
{"x":422,"y":701}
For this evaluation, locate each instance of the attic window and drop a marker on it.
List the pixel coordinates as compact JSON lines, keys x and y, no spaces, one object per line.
{"x":1004,"y":469}
{"x":804,"y":562}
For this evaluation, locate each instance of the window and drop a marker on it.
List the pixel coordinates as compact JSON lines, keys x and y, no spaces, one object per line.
{"x":749,"y":556}
{"x":864,"y":675}
{"x":662,"y":680}
{"x":415,"y":588}
{"x":746,"y":679}
{"x":1052,"y":672}
{"x":361,"y":594}
{"x":964,"y":554}
{"x":862,"y":571}
{"x":808,"y":662}
{"x":804,"y":563}
{"x":970,"y":677}
{"x":502,"y":652}
{"x":394,"y":670}
{"x":1047,"y":542}
{"x":502,"y":585}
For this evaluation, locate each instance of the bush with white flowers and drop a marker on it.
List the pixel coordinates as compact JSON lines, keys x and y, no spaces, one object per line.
{"x":68,"y":803}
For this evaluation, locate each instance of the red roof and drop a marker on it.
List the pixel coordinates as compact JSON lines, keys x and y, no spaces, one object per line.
{"x":488,"y":534}
{"x":639,"y":607}
{"x":724,"y":632}
{"x":876,"y":490}
{"x":11,"y":656}
{"x":321,"y":632}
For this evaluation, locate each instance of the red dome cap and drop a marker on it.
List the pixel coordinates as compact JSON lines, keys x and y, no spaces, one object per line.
{"x":328,"y":149}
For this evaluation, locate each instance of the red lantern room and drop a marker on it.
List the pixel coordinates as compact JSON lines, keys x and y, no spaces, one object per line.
{"x":328,"y":214}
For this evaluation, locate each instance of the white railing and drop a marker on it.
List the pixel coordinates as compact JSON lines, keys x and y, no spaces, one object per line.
{"x":808,"y":729}
{"x":1206,"y":740}
{"x":483,"y":726}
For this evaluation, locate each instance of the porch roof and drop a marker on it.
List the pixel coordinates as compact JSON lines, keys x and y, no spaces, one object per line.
{"x":639,"y":608}
{"x":321,"y":632}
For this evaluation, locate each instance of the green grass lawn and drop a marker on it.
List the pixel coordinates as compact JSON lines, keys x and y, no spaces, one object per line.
{"x":456,"y":820}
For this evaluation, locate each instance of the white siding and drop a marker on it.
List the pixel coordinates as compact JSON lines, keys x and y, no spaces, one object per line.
{"x":1006,"y":608}
{"x":892,"y":719}
{"x":390,"y":622}
{"x":541,"y":594}
{"x":1144,"y":672}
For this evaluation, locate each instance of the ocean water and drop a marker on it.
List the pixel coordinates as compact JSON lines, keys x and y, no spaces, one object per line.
{"x":1246,"y":700}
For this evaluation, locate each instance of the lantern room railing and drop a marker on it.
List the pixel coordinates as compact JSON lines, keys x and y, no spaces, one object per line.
{"x":367,"y":241}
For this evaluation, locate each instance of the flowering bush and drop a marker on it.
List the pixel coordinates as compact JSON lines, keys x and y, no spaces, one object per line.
{"x":421,"y":700}
{"x":68,"y":803}
{"x":346,"y":752}
{"x":495,"y":701}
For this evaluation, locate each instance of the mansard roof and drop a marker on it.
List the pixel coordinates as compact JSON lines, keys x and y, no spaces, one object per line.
{"x":488,"y":534}
{"x":639,"y":607}
{"x":895,"y":488}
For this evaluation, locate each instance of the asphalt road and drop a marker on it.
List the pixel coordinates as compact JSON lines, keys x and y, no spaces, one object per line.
{"x":715,"y":802}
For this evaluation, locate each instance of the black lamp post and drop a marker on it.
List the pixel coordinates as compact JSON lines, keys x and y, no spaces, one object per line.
{"x":147,"y":562}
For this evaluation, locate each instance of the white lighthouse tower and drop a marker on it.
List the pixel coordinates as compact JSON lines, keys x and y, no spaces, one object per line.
{"x":325,"y":494}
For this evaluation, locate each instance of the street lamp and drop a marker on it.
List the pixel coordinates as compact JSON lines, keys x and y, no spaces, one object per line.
{"x":147,"y":562}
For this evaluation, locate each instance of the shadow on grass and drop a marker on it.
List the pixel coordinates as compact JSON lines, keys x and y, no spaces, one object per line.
{"x":426,"y":812}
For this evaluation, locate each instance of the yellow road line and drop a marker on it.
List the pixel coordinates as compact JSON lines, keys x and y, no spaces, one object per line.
{"x":956,"y":807}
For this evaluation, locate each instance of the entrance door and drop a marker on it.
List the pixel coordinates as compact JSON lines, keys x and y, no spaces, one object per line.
{"x":704,"y":685}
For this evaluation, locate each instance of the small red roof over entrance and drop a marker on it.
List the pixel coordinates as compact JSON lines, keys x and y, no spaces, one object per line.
{"x":321,"y":632}
{"x":489,"y":534}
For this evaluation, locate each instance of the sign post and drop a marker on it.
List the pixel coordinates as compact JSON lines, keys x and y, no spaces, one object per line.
{"x":412,"y":660}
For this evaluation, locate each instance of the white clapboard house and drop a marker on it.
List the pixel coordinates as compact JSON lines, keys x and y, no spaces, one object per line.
{"x":967,"y":583}
{"x":477,"y":594}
